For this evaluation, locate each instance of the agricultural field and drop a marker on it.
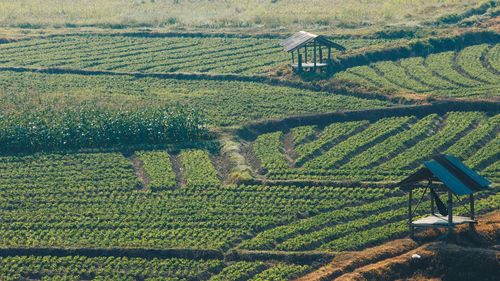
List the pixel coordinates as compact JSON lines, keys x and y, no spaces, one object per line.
{"x":223,"y":103}
{"x":140,"y":144}
{"x":157,"y":54}
{"x":387,"y":149}
{"x":469,"y":72}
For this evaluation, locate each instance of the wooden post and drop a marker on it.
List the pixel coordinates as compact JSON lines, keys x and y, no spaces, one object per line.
{"x":471,"y":199}
{"x":293,"y":60}
{"x":299,"y":59}
{"x":320,"y":55}
{"x":314,"y":43}
{"x":432,"y":203}
{"x":329,"y":53}
{"x":305,"y":53}
{"x":450,"y":212}
{"x":410,"y":219}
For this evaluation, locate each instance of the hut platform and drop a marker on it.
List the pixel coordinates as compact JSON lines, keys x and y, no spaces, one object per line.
{"x":441,"y":221}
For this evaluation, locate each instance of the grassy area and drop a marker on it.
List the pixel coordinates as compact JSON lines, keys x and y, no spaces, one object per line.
{"x":290,"y":14}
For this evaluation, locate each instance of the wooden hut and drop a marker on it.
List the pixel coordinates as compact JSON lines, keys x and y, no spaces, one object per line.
{"x":300,"y":42}
{"x":445,"y":174}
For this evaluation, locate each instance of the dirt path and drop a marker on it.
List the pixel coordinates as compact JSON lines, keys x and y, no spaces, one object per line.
{"x":140,"y":172}
{"x":178,"y":168}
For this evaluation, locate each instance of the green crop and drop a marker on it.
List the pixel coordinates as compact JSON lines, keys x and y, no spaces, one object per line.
{"x":92,"y":127}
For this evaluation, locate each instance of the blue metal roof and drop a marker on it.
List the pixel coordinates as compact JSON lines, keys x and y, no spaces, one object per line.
{"x":459,"y":178}
{"x":447,"y":178}
{"x":475,"y":176}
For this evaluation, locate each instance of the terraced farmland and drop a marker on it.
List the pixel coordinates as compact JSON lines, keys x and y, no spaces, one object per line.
{"x":200,"y":192}
{"x":386,"y":149}
{"x":155,"y":54}
{"x":469,"y":72}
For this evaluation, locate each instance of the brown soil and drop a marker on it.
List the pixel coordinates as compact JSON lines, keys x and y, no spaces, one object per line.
{"x":288,"y":148}
{"x":252,"y":159}
{"x":140,"y":172}
{"x":222,"y":164}
{"x":178,"y":169}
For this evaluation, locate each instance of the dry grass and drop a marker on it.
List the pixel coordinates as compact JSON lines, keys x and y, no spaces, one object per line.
{"x":320,"y":14}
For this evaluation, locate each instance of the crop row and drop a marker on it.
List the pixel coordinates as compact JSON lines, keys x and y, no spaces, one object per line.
{"x":471,"y":136}
{"x":159,"y":168}
{"x":385,"y":149}
{"x":464,"y":147}
{"x":106,"y":268}
{"x":450,"y":73}
{"x":93,"y":127}
{"x":470,"y":60}
{"x":456,"y":123}
{"x":132,"y":54}
{"x":200,"y":171}
{"x":122,"y":268}
{"x":357,"y":228}
{"x":268,"y":239}
{"x":330,"y":135}
{"x":339,"y":152}
{"x":95,"y":200}
{"x":336,"y":174}
{"x":149,"y":54}
{"x":266,"y":147}
{"x":223,"y":103}
{"x":302,"y":133}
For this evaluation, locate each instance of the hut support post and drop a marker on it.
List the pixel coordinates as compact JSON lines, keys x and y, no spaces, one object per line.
{"x":320,"y":55}
{"x":410,"y":219}
{"x":471,"y":201}
{"x":299,"y":62}
{"x":314,"y":43}
{"x":450,"y":212}
{"x":432,"y":204}
{"x":305,"y":54}
{"x":293,"y":58}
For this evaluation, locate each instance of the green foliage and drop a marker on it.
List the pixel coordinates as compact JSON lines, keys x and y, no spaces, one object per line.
{"x":339,"y":152}
{"x":469,"y":59}
{"x":242,"y":270}
{"x":372,"y":155}
{"x":105,"y":268}
{"x":395,"y":143}
{"x":200,"y":171}
{"x":266,"y":147}
{"x":268,"y":239}
{"x":464,"y":147}
{"x":158,"y":167}
{"x":456,"y":74}
{"x":223,"y":103}
{"x":281,"y":271}
{"x":302,"y":133}
{"x":489,"y":151}
{"x":456,"y":123}
{"x":92,"y":127}
{"x":330,"y":134}
{"x":396,"y":74}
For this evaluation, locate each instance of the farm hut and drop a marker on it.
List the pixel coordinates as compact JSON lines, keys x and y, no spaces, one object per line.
{"x":300,"y":42}
{"x":444,"y":174}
